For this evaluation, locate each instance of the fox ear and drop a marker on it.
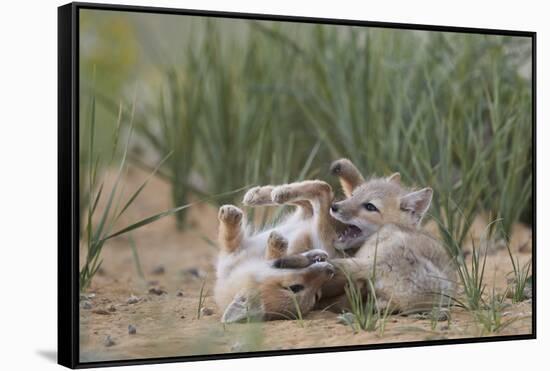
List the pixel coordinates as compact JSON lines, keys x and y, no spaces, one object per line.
{"x":417,"y":203}
{"x":243,"y":308}
{"x":395,"y":178}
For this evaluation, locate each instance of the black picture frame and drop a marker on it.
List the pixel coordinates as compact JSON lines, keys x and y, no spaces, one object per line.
{"x":68,"y":181}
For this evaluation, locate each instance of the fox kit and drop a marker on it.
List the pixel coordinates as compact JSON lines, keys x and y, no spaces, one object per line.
{"x":257,"y":280}
{"x":410,"y":269}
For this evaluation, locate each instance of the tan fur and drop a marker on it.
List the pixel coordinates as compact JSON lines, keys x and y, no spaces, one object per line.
{"x":281,"y":303}
{"x":302,"y":243}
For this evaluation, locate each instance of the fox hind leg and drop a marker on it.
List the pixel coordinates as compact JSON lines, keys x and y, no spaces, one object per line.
{"x":231,"y":231}
{"x":261,"y":196}
{"x":316,"y":192}
{"x":258,"y":196}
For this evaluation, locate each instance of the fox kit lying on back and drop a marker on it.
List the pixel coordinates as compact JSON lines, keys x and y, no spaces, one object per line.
{"x":251,"y":285}
{"x":274,"y":273}
{"x":411,"y":268}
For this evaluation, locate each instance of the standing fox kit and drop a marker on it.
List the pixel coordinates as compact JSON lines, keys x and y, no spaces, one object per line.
{"x":410,"y":269}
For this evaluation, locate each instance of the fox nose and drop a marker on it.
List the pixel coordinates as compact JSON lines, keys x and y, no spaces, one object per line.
{"x":334,"y":208}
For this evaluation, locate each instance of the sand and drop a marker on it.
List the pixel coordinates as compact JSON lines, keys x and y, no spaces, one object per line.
{"x":177,"y":264}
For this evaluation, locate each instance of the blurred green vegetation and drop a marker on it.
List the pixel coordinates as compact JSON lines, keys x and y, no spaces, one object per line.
{"x":247,"y":102}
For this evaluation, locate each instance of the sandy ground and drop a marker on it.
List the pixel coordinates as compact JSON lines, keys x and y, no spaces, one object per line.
{"x":177,"y":264}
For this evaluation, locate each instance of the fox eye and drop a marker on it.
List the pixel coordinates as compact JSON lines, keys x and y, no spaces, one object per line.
{"x":370,"y":207}
{"x":295,"y":288}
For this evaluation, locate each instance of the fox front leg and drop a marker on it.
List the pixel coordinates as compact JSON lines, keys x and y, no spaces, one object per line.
{"x":304,"y":260}
{"x":231,"y":231}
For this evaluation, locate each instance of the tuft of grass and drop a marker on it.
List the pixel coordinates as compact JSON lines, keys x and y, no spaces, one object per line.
{"x":202,"y":298}
{"x":439,"y":309}
{"x":366,"y":313}
{"x":472,"y":277}
{"x":98,"y":233}
{"x":521,"y":277}
{"x":171,"y":125}
{"x":299,"y":316}
{"x":490,"y":318}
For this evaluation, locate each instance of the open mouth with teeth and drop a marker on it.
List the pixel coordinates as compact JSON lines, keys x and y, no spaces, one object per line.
{"x":350,"y":237}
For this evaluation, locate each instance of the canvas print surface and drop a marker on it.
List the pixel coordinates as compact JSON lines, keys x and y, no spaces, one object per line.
{"x":252,"y":185}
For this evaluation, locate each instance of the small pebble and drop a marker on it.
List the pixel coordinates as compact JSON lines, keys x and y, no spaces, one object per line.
{"x":112,"y":308}
{"x":108,"y":341}
{"x":156,"y":291}
{"x":179,"y":294}
{"x":444,"y":328}
{"x":132,"y":330}
{"x":158,"y":270}
{"x":205,"y":311}
{"x":182,"y":316}
{"x":132,"y":300}
{"x":86,"y":305}
{"x":194,"y":273}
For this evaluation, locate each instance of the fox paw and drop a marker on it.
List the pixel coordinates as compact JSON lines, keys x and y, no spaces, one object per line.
{"x":258,"y":196}
{"x":316,"y":256}
{"x":323,"y":267}
{"x":277,"y":246}
{"x":277,"y":241}
{"x":230,"y":214}
{"x":282,"y":194}
{"x":339,"y":167}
